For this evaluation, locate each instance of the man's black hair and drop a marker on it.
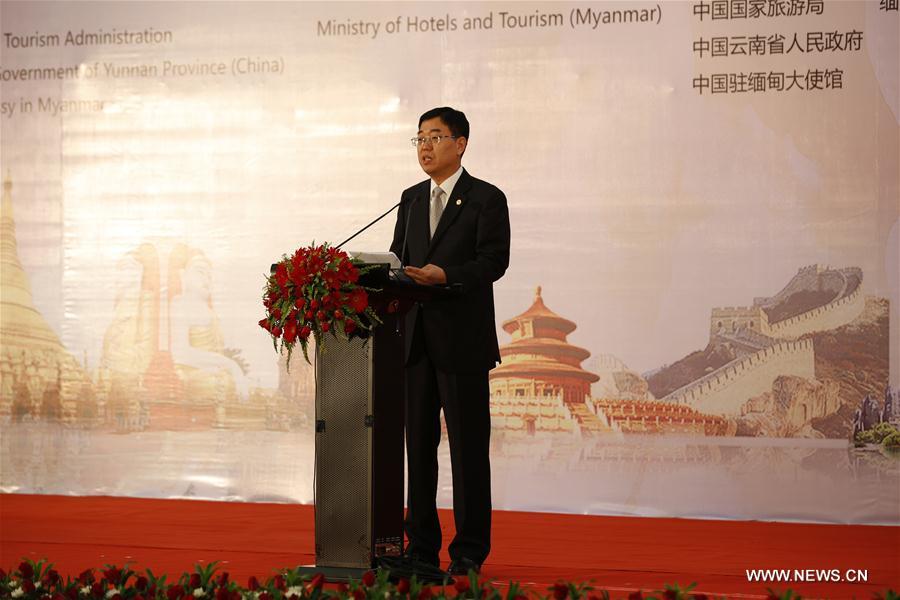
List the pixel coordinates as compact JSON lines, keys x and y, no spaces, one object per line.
{"x":455,"y":120}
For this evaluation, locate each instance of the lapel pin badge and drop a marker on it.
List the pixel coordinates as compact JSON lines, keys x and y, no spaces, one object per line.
{"x":458,"y":201}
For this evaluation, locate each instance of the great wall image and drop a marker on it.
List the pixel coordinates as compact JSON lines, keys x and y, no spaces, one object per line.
{"x":796,"y":364}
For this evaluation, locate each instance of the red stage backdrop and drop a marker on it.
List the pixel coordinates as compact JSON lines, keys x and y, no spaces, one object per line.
{"x":699,"y":319}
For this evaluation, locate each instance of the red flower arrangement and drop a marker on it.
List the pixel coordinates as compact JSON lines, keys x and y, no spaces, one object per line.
{"x":315,"y":291}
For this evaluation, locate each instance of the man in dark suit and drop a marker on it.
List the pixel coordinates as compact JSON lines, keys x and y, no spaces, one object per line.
{"x":452,"y":229}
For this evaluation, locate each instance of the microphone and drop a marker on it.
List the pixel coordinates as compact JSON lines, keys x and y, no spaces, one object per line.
{"x":389,"y":211}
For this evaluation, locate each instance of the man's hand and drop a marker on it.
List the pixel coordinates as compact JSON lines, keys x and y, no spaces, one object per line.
{"x":427,"y":275}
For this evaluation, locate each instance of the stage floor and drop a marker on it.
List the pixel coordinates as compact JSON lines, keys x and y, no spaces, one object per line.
{"x":620,"y":554}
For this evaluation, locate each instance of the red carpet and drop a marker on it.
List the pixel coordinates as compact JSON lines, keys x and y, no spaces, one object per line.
{"x":620,"y":554}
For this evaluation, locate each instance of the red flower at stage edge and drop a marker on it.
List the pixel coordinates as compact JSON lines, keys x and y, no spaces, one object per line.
{"x":368,"y":579}
{"x":560,"y":591}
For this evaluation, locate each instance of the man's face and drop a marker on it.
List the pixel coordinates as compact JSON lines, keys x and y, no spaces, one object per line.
{"x":442,"y":160}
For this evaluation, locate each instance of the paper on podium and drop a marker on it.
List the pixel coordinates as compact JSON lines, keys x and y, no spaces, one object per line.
{"x":378,"y":258}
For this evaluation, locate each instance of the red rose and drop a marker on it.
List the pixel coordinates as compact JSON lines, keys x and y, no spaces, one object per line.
{"x":26,"y":570}
{"x":276,"y":331}
{"x":222,"y":593}
{"x":349,"y":326}
{"x":338,"y":314}
{"x":277,"y":314}
{"x":279,"y":582}
{"x":28,"y":586}
{"x":290,"y":332}
{"x":141,"y":583}
{"x":298,"y":304}
{"x":358,"y":594}
{"x":265,"y":596}
{"x":462,"y":585}
{"x":359,"y":300}
{"x":342,"y":588}
{"x":264,"y":323}
{"x":72,"y":593}
{"x":309,"y":315}
{"x":368,"y":579}
{"x":305,"y":331}
{"x":560,"y":591}
{"x":403,"y":586}
{"x":195,"y":581}
{"x":86,"y":576}
{"x":97,"y":589}
{"x":281,"y":275}
{"x":425,"y":593}
{"x":299,"y":276}
{"x":112,"y":575}
{"x":325,"y":326}
{"x":253,"y":583}
{"x":670,"y":595}
{"x":175,"y":592}
{"x":51,"y":576}
{"x":321,"y":315}
{"x":314,"y":304}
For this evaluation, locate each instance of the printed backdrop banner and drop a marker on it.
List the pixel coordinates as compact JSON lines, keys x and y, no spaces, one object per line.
{"x":700,"y":315}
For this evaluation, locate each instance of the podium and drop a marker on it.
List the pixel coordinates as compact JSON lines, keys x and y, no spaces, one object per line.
{"x":359,"y":443}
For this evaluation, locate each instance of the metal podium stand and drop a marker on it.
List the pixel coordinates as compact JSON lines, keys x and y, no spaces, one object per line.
{"x":359,"y":443}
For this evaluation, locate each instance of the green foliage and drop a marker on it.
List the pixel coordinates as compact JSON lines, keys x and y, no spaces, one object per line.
{"x":892,"y":441}
{"x":865,"y":437}
{"x":884,"y":433}
{"x":881,"y":431}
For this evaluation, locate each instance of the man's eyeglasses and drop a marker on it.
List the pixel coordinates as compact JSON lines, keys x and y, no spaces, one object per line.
{"x":434,"y":140}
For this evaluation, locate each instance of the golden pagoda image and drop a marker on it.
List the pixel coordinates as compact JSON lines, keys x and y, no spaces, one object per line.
{"x":39,"y":378}
{"x":540,"y":386}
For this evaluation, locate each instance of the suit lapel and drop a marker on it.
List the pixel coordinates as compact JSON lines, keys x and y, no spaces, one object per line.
{"x":455,"y":204}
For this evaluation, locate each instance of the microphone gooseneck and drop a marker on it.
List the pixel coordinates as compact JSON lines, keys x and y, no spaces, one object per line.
{"x":386,"y":213}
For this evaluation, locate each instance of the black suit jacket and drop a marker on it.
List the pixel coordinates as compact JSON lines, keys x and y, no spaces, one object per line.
{"x":471,"y":244}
